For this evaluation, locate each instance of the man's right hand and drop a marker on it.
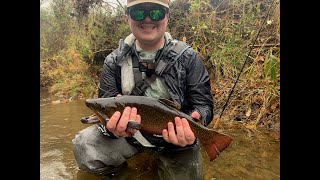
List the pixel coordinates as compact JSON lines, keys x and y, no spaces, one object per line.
{"x":117,"y":124}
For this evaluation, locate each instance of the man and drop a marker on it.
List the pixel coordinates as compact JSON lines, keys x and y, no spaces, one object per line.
{"x":150,"y":63}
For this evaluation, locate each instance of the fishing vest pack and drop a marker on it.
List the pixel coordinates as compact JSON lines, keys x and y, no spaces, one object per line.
{"x":165,"y":58}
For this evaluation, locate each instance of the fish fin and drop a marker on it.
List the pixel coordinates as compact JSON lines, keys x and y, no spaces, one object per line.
{"x":170,"y":103}
{"x":215,"y":143}
{"x":133,"y":125}
{"x":142,"y":140}
{"x":197,"y":120}
{"x":93,"y":119}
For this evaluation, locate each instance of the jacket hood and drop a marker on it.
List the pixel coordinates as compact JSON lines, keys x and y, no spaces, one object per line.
{"x":126,"y":44}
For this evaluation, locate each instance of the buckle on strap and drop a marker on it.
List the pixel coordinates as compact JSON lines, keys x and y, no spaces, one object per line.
{"x":139,"y":88}
{"x":161,"y":66}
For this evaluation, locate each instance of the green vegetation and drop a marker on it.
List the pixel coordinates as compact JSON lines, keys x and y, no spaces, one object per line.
{"x":76,"y":36}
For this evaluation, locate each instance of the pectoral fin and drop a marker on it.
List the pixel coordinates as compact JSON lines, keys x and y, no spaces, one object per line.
{"x":138,"y":136}
{"x":170,"y":103}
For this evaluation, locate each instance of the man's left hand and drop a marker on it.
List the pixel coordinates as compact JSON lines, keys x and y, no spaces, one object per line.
{"x":184,"y":135}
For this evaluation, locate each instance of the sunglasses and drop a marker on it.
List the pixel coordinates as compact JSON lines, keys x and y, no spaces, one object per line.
{"x":156,"y":14}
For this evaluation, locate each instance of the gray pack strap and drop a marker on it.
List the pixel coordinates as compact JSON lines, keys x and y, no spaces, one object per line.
{"x":179,"y":48}
{"x":163,"y":65}
{"x":136,"y":72}
{"x":141,"y":86}
{"x":181,"y":52}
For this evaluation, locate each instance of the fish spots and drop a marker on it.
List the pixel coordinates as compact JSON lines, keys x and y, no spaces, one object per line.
{"x":157,"y":118}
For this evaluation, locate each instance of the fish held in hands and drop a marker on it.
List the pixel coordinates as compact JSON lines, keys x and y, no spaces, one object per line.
{"x":155,"y":115}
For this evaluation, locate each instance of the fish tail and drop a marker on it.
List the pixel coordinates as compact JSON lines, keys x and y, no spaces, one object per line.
{"x":215,"y":143}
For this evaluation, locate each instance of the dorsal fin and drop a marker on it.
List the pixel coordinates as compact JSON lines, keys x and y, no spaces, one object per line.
{"x":170,"y":103}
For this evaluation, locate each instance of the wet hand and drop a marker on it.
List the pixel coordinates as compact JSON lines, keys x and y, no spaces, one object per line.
{"x":117,"y":124}
{"x":181,"y":134}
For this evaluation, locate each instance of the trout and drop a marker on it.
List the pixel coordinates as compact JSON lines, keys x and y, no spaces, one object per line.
{"x":155,"y":115}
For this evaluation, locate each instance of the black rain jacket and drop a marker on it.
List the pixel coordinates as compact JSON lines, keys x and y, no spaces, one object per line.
{"x":187,"y":79}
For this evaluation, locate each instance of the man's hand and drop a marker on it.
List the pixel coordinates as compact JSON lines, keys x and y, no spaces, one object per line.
{"x":184,"y":135}
{"x":118,"y":126}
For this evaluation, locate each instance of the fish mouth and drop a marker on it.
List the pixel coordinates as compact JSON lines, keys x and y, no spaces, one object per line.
{"x":102,"y":117}
{"x":95,"y":107}
{"x":93,"y":119}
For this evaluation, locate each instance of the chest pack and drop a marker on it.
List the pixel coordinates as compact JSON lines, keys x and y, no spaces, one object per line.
{"x":167,"y":57}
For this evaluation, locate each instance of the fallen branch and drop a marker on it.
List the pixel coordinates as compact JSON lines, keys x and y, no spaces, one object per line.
{"x":216,"y":121}
{"x":265,"y":45}
{"x":103,"y":50}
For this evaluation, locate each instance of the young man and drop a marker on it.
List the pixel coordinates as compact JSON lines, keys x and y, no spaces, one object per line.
{"x":149,"y":63}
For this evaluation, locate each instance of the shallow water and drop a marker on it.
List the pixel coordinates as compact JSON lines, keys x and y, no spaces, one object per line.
{"x":252,"y":154}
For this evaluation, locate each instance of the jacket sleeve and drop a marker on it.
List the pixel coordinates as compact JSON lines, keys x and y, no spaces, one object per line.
{"x":198,"y":94}
{"x":108,"y":85}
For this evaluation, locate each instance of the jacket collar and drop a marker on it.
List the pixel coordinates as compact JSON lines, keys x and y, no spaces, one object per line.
{"x":125,"y":46}
{"x":129,"y":40}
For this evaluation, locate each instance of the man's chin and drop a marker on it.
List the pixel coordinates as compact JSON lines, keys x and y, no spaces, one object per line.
{"x":148,"y":40}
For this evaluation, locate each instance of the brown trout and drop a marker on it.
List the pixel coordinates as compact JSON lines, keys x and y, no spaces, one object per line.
{"x":155,"y":115}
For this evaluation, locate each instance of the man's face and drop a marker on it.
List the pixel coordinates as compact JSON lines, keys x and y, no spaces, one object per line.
{"x":148,"y":31}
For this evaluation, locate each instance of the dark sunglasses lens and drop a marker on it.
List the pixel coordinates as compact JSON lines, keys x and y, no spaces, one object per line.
{"x":157,"y":14}
{"x":137,"y":14}
{"x":154,"y":14}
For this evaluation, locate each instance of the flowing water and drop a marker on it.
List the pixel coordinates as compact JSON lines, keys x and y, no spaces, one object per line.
{"x":252,"y":154}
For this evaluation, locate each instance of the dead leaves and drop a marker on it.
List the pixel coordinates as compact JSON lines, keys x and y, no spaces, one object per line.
{"x":260,"y":59}
{"x":252,"y":126}
{"x":184,"y":39}
{"x":275,"y":105}
{"x":216,"y":121}
{"x":248,"y":113}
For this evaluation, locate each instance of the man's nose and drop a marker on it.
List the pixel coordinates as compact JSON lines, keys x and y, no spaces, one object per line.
{"x":147,"y":19}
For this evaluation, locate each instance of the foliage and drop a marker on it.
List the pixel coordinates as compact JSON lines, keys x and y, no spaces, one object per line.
{"x":92,"y":36}
{"x":222,"y":32}
{"x":69,"y":74}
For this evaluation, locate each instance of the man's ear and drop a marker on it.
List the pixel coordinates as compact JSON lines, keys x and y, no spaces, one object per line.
{"x":169,"y":15}
{"x":126,"y":12}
